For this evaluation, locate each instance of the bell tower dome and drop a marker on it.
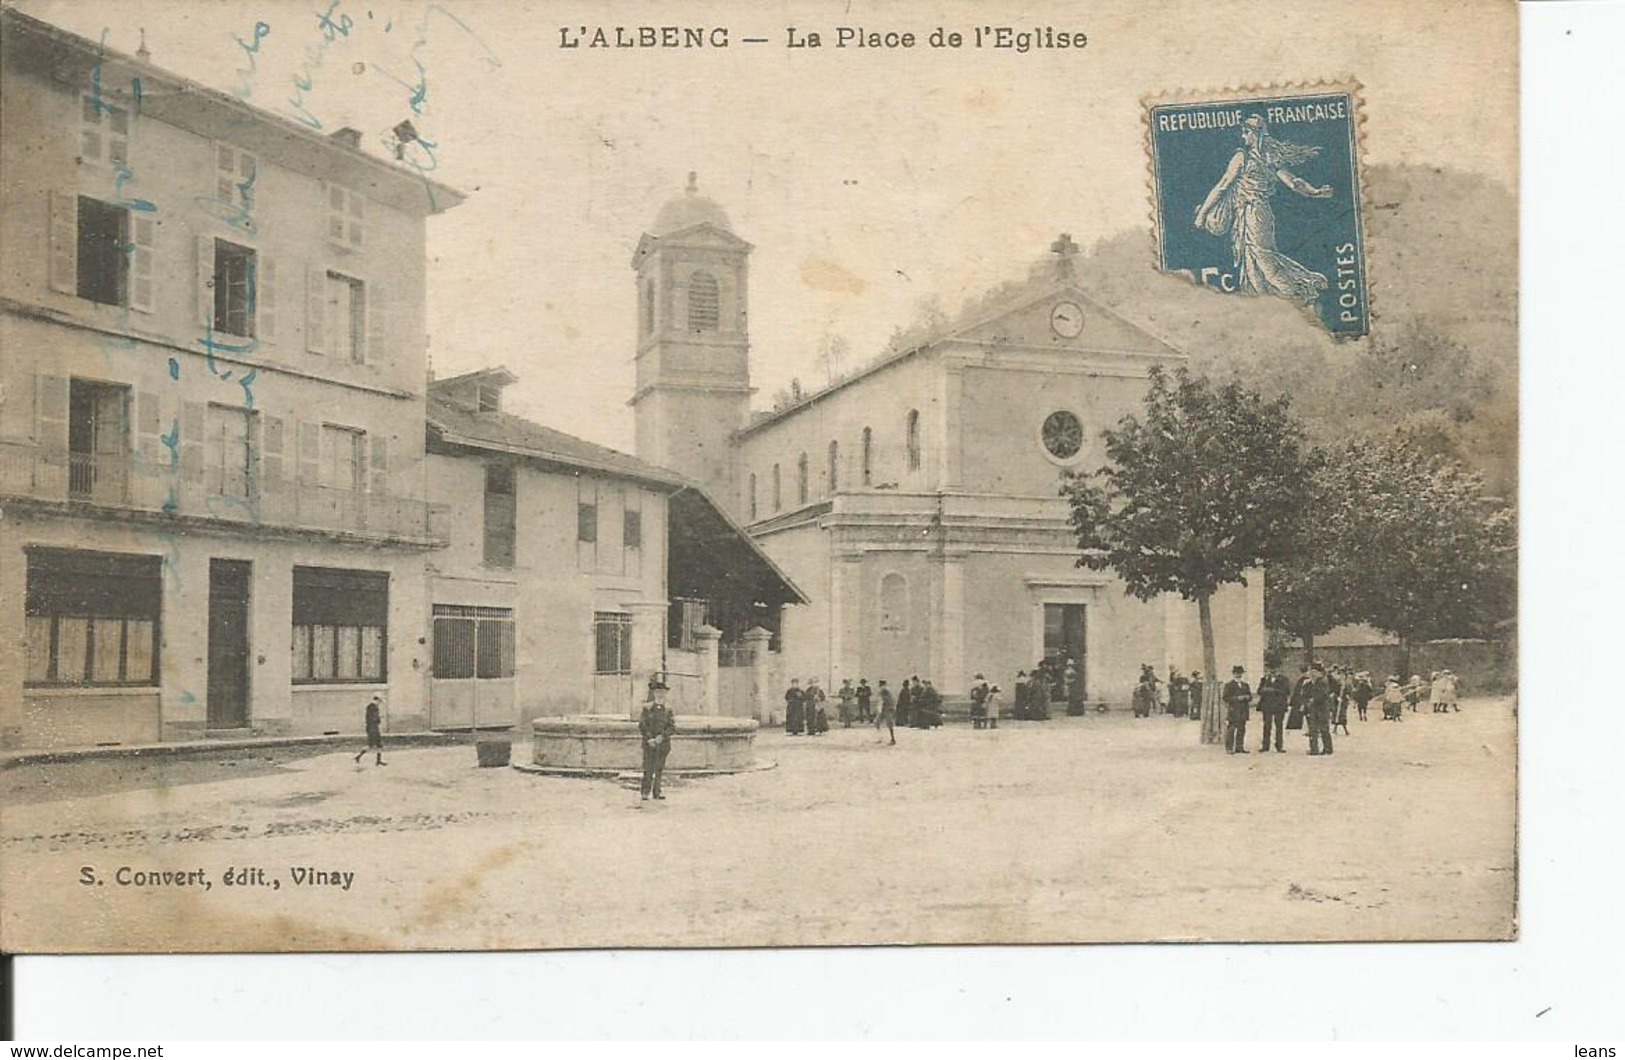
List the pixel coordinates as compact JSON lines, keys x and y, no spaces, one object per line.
{"x":693,"y":370}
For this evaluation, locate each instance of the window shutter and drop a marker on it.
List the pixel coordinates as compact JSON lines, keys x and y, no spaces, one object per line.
{"x":144,"y":237}
{"x":380,"y":465}
{"x":205,"y":281}
{"x":316,"y":309}
{"x":192,"y":429}
{"x":265,"y":293}
{"x":64,"y":242}
{"x":149,"y":428}
{"x":53,"y":412}
{"x":375,"y":323}
{"x":310,"y":450}
{"x":272,"y":450}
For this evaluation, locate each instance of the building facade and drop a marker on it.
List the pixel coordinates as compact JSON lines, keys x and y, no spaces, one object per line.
{"x":916,"y":501}
{"x":574,"y":572}
{"x":212,"y":430}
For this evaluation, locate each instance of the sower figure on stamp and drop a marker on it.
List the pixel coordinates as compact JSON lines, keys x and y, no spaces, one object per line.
{"x":657,"y":726}
{"x":1239,"y":206}
{"x":375,"y":730}
{"x":1238,"y":702}
{"x":1274,"y":689}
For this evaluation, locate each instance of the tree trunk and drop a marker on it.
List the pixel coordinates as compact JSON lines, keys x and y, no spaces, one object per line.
{"x":1308,"y":649}
{"x":1404,"y":658}
{"x":1212,"y":724}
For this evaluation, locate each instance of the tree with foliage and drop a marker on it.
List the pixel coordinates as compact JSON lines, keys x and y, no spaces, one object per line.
{"x":1204,"y":488}
{"x":1307,"y":587}
{"x":1427,"y":554}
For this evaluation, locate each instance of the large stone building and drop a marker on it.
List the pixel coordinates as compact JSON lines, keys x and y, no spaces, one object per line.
{"x":230,"y":503}
{"x":915,"y":500}
{"x":212,"y":433}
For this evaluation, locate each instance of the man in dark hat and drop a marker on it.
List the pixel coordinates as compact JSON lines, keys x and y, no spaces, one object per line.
{"x":1238,"y":703}
{"x":1318,"y":698}
{"x":657,"y":726}
{"x":795,"y":708}
{"x":1274,"y":689}
{"x":866,"y":698}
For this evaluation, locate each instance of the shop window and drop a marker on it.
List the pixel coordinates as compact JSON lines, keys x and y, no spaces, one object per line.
{"x":340,"y":625}
{"x":91,"y":618}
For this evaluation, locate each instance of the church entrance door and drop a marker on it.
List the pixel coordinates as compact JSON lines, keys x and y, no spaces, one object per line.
{"x":1065,"y":637}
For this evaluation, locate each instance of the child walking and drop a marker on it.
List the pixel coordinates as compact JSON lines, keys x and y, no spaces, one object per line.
{"x":375,"y":731}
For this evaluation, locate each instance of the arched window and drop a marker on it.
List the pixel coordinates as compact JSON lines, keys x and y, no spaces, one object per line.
{"x":914,"y":439}
{"x":704,"y":302}
{"x":801,"y":479}
{"x":868,"y":457}
{"x":893,"y":603}
{"x":648,"y":307}
{"x":834,"y":467}
{"x":753,"y":495}
{"x":777,"y":495}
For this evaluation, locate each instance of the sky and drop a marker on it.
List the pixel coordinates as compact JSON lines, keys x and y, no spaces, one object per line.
{"x":868,"y":179}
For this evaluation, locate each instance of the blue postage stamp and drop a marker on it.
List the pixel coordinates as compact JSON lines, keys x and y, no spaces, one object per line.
{"x":1260,"y":195}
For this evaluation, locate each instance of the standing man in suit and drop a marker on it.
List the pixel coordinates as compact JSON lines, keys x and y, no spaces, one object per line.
{"x":795,"y":708}
{"x":1274,"y":689}
{"x":657,"y":726}
{"x":1318,"y":698}
{"x":1238,"y":703}
{"x":866,"y":697}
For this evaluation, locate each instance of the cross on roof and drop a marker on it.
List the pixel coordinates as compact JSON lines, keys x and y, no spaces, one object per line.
{"x":1064,"y":250}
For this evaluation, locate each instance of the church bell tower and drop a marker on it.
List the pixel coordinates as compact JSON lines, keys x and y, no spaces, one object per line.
{"x":693,"y":370}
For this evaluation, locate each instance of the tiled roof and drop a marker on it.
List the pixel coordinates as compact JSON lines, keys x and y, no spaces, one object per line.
{"x":504,"y":432}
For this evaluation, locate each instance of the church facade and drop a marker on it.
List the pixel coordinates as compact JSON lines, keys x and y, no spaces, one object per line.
{"x":916,"y":500}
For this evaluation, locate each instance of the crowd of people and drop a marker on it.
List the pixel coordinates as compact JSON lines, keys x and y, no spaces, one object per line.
{"x":1319,"y":701}
{"x":916,"y":704}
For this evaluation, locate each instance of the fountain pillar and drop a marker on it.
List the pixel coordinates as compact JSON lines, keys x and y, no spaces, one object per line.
{"x":707,"y":640}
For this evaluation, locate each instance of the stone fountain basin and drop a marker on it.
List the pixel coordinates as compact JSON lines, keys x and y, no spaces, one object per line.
{"x":604,"y":744}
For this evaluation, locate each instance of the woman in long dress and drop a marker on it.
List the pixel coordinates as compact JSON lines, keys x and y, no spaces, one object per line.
{"x":1239,"y":204}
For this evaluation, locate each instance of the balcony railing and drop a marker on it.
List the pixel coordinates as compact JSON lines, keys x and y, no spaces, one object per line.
{"x":124,"y":484}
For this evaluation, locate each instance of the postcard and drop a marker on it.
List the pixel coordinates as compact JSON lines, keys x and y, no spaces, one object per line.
{"x":531,"y":475}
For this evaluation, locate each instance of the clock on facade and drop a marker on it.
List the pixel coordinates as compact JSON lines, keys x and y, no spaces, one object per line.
{"x":1066,"y":319}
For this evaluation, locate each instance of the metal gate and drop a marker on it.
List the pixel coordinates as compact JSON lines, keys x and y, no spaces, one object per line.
{"x":472,"y":686}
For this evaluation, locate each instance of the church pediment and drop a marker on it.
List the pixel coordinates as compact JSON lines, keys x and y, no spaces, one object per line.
{"x":703,"y":236}
{"x":1064,"y":317}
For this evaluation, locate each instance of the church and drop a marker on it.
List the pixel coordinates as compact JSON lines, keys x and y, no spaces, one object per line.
{"x":915,"y":500}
